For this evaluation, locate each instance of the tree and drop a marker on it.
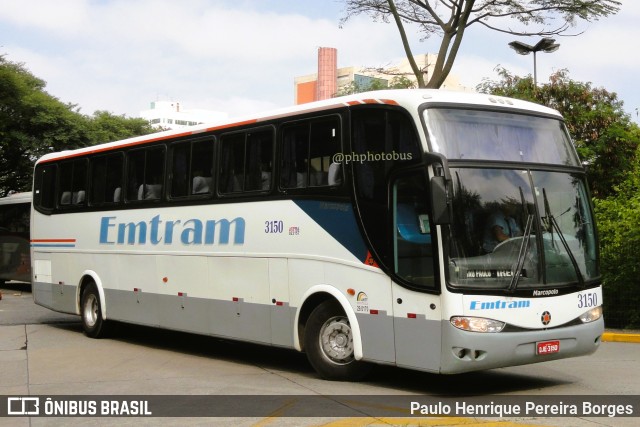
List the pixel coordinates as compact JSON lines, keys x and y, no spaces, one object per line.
{"x":105,"y":127}
{"x":33,"y":123}
{"x":604,"y":135}
{"x":397,"y":82}
{"x":618,"y":219}
{"x":450,"y":19}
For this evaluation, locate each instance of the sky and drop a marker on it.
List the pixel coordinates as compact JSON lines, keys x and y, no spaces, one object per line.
{"x":241,"y":56}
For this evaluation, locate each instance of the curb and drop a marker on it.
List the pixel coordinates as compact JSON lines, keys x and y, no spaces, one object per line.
{"x":620,"y":337}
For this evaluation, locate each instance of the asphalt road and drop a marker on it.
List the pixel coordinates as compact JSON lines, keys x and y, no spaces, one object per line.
{"x":43,"y":353}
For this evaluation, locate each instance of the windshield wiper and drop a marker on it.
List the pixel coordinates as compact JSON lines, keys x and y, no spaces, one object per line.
{"x":554,"y":225}
{"x":524,"y":248}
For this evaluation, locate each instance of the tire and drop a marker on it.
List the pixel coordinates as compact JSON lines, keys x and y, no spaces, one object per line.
{"x":93,"y":325}
{"x":328,"y":342}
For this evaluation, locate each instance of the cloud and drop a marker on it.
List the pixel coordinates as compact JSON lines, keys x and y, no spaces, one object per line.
{"x":63,"y":17}
{"x":119,"y":55}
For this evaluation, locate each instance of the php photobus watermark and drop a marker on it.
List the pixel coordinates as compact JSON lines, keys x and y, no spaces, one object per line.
{"x":369,"y":156}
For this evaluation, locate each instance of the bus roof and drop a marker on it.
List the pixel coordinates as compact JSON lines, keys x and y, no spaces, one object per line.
{"x":23,"y":197}
{"x":410,"y":99}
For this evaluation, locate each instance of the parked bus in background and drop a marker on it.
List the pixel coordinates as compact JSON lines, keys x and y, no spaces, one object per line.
{"x":438,"y":231}
{"x":14,"y":237}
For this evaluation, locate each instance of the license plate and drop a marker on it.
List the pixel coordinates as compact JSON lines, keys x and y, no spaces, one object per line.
{"x":548,"y":347}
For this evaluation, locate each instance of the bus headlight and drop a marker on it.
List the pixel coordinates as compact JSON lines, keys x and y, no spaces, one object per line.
{"x":477,"y":324}
{"x":591,"y":315}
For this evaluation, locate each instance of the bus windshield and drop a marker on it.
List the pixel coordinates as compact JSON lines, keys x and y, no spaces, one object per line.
{"x":490,"y":135}
{"x":520,"y":228}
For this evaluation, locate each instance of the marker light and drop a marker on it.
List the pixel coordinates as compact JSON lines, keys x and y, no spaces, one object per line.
{"x":477,"y":324}
{"x":591,"y":315}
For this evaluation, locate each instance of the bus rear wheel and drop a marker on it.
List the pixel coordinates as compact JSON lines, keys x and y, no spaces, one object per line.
{"x":328,"y":342}
{"x":93,"y":325}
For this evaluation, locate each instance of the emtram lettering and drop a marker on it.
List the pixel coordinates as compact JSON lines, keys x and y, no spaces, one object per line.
{"x":156,"y":231}
{"x":499,"y":305}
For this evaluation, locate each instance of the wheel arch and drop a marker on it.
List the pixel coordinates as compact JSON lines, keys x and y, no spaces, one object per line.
{"x":310,"y":300}
{"x":90,"y":276}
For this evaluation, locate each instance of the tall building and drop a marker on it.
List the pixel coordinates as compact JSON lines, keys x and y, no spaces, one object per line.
{"x":329,"y":79}
{"x":172,"y":115}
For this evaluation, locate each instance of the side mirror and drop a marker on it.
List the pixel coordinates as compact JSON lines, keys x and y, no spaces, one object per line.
{"x":440,"y":201}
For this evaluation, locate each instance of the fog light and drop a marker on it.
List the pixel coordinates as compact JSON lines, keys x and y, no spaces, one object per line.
{"x":477,"y":324}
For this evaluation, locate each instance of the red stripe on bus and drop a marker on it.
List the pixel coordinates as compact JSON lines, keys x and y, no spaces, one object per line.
{"x":53,"y":240}
{"x":99,"y":149}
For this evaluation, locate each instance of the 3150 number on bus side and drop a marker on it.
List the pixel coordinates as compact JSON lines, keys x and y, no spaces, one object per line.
{"x":273,"y":226}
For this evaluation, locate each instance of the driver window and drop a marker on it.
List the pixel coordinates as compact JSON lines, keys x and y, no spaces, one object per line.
{"x":413,"y":231}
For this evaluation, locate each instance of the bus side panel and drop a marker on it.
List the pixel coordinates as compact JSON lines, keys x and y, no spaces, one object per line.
{"x":417,"y":329}
{"x":241,"y":288}
{"x":377,"y":334}
{"x":42,"y":286}
{"x":133,"y":298}
{"x":50,"y":288}
{"x":216,"y":295}
{"x":282,"y":314}
{"x":183,"y":282}
{"x":43,"y":295}
{"x":373,"y":308}
{"x":370,"y":300}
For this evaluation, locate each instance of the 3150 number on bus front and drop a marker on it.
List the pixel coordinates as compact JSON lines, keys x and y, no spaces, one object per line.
{"x":587,"y":300}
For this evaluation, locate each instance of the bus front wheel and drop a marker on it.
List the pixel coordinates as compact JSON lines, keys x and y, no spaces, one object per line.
{"x":328,"y":342}
{"x":93,"y":325}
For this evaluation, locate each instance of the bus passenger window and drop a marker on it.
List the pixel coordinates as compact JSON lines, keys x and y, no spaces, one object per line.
{"x":145,"y":174}
{"x":309,"y":149}
{"x":201,"y":167}
{"x":44,"y":187}
{"x":191,"y":168}
{"x":73,"y":182}
{"x":232,"y":163}
{"x":246,"y":161}
{"x":295,"y":147}
{"x":180,"y":157}
{"x":106,"y":179}
{"x":324,"y":144}
{"x":258,"y":159}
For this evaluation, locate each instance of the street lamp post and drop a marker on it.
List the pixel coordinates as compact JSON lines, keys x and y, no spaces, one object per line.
{"x":545,"y":45}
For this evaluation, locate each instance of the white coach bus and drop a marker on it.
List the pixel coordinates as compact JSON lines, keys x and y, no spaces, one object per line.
{"x":443,"y":232}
